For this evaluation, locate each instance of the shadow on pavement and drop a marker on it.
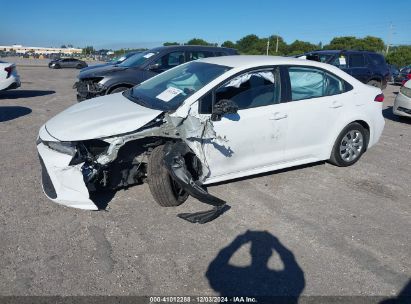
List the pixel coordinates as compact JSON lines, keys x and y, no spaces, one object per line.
{"x":388,"y":114}
{"x":12,"y":112}
{"x":15,"y":94}
{"x":257,"y":279}
{"x":102,"y":198}
{"x":404,"y":297}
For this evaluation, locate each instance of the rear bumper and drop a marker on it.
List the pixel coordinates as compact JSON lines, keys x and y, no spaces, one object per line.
{"x":11,"y":83}
{"x":402,"y":105}
{"x":63,"y":184}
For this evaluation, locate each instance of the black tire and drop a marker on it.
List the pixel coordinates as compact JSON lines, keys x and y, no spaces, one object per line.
{"x":336,"y":157}
{"x":79,"y":66}
{"x":374,"y":83}
{"x":118,"y":90}
{"x":165,"y":191}
{"x":57,"y":66}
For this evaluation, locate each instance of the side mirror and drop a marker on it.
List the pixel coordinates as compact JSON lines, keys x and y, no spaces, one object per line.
{"x":223,"y":106}
{"x":153,"y":67}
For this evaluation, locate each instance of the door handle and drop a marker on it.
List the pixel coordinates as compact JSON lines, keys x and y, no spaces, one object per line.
{"x":278,"y":116}
{"x":336,"y":104}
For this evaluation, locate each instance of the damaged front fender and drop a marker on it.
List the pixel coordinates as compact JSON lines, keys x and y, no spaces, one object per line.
{"x":176,"y":166}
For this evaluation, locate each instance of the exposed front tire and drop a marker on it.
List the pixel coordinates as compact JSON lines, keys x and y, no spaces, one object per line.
{"x":118,"y":90}
{"x":350,"y":145}
{"x":374,"y":83}
{"x":166,"y":192}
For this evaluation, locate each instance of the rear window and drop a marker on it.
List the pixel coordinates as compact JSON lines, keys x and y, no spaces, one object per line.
{"x":377,"y":59}
{"x":357,"y":60}
{"x":219,"y":54}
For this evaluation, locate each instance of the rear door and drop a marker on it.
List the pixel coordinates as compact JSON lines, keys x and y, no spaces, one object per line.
{"x":359,"y":69}
{"x":317,"y":100}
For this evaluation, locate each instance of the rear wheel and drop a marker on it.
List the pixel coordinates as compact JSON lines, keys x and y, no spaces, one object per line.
{"x":118,"y":90}
{"x":350,"y":145}
{"x":165,"y":190}
{"x":374,"y":83}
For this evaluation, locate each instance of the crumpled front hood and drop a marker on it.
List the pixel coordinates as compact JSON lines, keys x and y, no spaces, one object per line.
{"x":99,"y":117}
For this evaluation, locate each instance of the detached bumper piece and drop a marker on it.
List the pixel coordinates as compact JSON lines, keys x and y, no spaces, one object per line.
{"x":87,"y":89}
{"x":175,"y":164}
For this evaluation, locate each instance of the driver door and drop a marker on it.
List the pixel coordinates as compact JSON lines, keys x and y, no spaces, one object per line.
{"x":255,"y":136}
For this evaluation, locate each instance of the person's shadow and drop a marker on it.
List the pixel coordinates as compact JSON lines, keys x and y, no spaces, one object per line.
{"x":257,"y":279}
{"x":404,"y":297}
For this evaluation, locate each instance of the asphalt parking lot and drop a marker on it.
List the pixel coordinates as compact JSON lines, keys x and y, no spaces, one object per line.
{"x":313,"y":230}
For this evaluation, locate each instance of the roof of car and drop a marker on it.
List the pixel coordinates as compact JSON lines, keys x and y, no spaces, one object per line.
{"x":339,"y":51}
{"x":238,"y":61}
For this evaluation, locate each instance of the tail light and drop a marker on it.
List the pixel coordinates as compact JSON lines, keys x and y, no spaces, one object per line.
{"x":409,"y":76}
{"x":9,"y":69}
{"x":379,"y":98}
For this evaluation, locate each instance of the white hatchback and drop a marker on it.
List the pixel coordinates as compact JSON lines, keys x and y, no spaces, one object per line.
{"x":9,"y":79}
{"x":208,"y":121}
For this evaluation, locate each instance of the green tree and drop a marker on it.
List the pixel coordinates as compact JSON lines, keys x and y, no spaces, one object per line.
{"x":250,"y":44}
{"x":229,"y":44}
{"x":299,"y":47}
{"x":198,"y":41}
{"x":342,"y":43}
{"x":400,"y":56}
{"x":368,"y":43}
{"x":170,"y":43}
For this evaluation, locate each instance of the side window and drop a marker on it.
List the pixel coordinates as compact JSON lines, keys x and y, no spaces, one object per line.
{"x":252,"y":89}
{"x":339,"y":61}
{"x":376,"y":59}
{"x":309,"y":83}
{"x":170,"y":60}
{"x":357,"y":61}
{"x":194,"y":55}
{"x":206,"y":104}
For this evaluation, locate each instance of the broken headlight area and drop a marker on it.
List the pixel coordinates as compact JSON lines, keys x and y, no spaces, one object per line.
{"x":127,"y":169}
{"x":89,"y":87}
{"x":62,"y":147}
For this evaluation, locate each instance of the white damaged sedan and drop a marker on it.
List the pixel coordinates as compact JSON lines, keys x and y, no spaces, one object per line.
{"x":208,"y":121}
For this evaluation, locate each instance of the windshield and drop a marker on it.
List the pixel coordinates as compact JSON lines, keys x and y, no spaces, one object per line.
{"x":167,"y":91}
{"x":137,"y":59}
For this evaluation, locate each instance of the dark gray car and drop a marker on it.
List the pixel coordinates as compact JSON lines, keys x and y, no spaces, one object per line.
{"x":67,"y":63}
{"x":140,"y":67}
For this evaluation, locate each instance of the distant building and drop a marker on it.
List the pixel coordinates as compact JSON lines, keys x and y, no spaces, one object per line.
{"x":20,"y":49}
